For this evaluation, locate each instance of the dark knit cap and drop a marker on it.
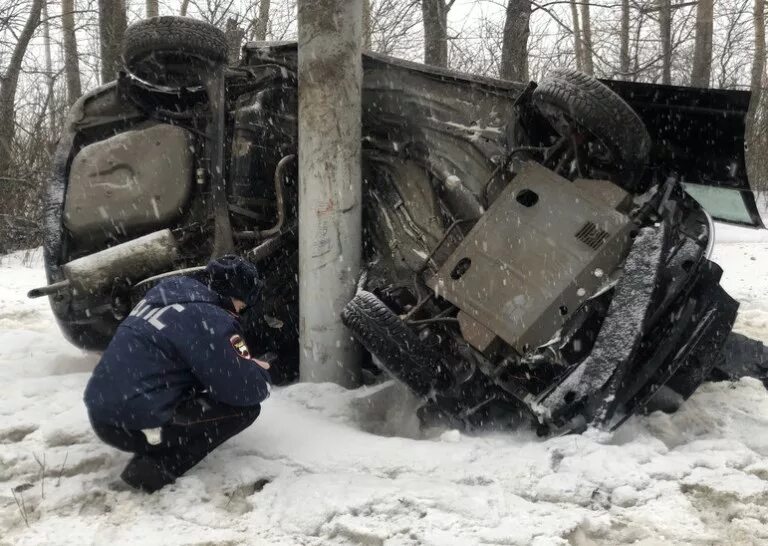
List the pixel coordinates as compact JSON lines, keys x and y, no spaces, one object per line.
{"x":234,"y":277}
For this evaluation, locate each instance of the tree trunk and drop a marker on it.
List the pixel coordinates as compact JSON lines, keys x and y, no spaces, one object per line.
{"x":757,"y":119}
{"x":665,"y":30}
{"x":50,"y":80}
{"x":435,"y":18}
{"x":185,"y":6}
{"x":624,"y":49}
{"x":71,"y":60}
{"x":262,"y":23}
{"x":578,"y":47}
{"x":514,"y":48}
{"x":152,"y":8}
{"x":758,"y":62}
{"x":10,"y":81}
{"x":586,"y":23}
{"x":366,"y":24}
{"x":702,"y":53}
{"x":234,"y":35}
{"x":112,"y":25}
{"x":639,"y":33}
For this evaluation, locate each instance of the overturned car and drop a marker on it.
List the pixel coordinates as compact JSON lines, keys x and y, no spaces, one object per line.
{"x":530,"y":250}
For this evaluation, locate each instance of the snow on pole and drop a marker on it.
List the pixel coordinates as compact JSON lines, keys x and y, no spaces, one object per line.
{"x":330,"y":78}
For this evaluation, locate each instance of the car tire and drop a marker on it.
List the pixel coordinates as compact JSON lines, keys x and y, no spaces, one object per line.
{"x":569,"y":96}
{"x":89,"y":337}
{"x":173,"y":51}
{"x":397,"y":347}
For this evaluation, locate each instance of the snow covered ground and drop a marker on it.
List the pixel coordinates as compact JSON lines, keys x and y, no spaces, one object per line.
{"x":343,"y":468}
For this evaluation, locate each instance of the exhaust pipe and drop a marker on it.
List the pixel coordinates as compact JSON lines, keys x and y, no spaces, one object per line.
{"x":49,"y":290}
{"x":133,"y":260}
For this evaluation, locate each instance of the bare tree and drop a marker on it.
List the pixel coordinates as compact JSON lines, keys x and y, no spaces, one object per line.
{"x":514,"y":48}
{"x":624,"y":45}
{"x":435,"y":19}
{"x":758,"y":60}
{"x":216,"y":12}
{"x":734,"y":28}
{"x":262,"y":23}
{"x":757,"y":117}
{"x":152,"y":8}
{"x":636,"y":45}
{"x":394,"y":28}
{"x":366,"y":24}
{"x":112,"y":23}
{"x":184,"y":8}
{"x":10,"y":82}
{"x":586,"y":25}
{"x":702,"y":53}
{"x":71,"y":60}
{"x":578,"y":47}
{"x":234,"y":35}
{"x":665,"y":32}
{"x":50,"y":78}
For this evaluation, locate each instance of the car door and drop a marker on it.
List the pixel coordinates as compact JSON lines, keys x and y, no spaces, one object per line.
{"x":699,"y":134}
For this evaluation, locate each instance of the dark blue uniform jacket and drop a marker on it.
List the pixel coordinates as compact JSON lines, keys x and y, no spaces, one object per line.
{"x":179,"y":341}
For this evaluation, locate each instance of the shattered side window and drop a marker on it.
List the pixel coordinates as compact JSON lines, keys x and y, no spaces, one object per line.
{"x":723,"y":204}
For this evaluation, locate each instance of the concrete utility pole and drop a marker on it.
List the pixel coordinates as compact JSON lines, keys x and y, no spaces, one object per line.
{"x":330,"y":230}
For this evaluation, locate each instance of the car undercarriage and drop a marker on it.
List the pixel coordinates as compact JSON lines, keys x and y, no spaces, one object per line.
{"x":530,"y":251}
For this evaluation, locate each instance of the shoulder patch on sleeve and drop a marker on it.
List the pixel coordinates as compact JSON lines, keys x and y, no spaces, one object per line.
{"x":240,"y":347}
{"x":238,"y":344}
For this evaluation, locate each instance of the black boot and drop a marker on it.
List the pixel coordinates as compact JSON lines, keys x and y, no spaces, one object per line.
{"x":146,"y":474}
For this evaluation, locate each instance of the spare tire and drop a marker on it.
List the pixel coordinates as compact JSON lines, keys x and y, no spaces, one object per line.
{"x":397,"y":347}
{"x":568,"y":97}
{"x":173,"y":51}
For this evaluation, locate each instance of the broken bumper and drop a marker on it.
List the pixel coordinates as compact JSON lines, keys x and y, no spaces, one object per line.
{"x":666,"y":325}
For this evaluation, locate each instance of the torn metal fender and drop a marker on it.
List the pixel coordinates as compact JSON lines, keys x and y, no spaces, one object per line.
{"x":591,"y":385}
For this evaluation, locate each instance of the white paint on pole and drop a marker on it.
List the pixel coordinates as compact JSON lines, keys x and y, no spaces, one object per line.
{"x":330,"y":230}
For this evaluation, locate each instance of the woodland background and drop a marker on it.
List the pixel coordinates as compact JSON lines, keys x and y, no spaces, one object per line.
{"x":52,"y":51}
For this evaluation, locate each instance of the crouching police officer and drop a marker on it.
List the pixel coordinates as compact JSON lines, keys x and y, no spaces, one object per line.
{"x":178,"y":380}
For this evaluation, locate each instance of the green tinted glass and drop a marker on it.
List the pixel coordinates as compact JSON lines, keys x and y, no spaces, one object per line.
{"x":723,"y":204}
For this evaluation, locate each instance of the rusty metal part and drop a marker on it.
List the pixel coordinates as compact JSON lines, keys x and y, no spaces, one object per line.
{"x":504,"y":164}
{"x":50,"y":290}
{"x":474,"y":333}
{"x":167,"y":274}
{"x":280,"y":201}
{"x":131,"y":260}
{"x":279,"y":196}
{"x":265,"y":249}
{"x":242,"y":211}
{"x":254,"y":255}
{"x":416,"y":308}
{"x":222,"y":236}
{"x":452,"y":320}
{"x":440,"y":243}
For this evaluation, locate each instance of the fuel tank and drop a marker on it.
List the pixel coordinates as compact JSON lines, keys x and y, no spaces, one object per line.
{"x":131,"y":183}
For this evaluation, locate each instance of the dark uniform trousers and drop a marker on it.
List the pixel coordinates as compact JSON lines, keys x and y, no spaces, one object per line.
{"x":198,"y":427}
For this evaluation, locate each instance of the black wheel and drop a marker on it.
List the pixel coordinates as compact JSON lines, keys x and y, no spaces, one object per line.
{"x":572,"y":100}
{"x":173,"y":51}
{"x":397,"y":347}
{"x":89,"y":337}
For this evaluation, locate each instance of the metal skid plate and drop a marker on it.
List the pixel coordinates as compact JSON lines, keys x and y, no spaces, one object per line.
{"x":543,"y":247}
{"x":128,"y":183}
